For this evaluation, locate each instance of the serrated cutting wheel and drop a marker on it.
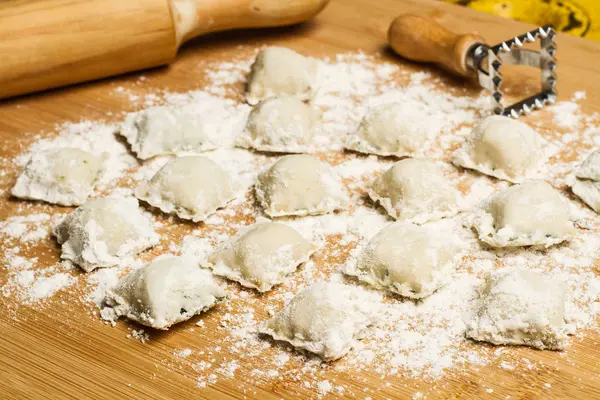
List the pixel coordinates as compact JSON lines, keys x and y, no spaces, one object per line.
{"x":421,"y":39}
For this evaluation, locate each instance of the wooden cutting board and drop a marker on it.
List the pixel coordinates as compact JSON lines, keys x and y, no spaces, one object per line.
{"x":61,"y":352}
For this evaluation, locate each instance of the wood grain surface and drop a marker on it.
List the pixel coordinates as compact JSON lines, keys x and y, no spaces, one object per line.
{"x":62,"y":352}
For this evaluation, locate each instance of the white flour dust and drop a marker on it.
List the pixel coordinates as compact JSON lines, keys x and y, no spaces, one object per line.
{"x":413,"y":339}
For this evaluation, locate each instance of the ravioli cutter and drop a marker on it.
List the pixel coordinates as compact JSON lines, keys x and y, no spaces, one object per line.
{"x":424,"y":40}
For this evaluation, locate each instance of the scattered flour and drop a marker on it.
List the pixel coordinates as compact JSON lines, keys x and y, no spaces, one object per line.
{"x":566,"y":113}
{"x":183,"y":353}
{"x":45,"y":287}
{"x":31,"y":286}
{"x":139,"y":334}
{"x":196,"y":247}
{"x":324,"y":387}
{"x":101,"y":280}
{"x":413,"y":339}
{"x":27,"y":228}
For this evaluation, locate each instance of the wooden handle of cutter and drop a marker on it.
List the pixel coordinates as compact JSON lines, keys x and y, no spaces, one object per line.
{"x":50,"y":43}
{"x":423,"y":40}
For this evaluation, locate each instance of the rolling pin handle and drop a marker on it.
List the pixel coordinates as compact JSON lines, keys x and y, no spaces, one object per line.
{"x":422,"y":39}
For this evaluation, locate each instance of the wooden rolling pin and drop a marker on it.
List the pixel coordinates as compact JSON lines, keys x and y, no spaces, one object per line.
{"x":50,"y":43}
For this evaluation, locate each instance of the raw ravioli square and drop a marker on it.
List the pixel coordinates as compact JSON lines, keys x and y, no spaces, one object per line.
{"x":502,"y":147}
{"x":164,"y":292}
{"x":281,"y":71}
{"x":531,"y":213}
{"x":166,"y":131}
{"x":587,"y":181}
{"x":415,"y":190}
{"x":190,"y":187}
{"x":103,"y":231}
{"x":326,"y":319}
{"x":282,"y":125}
{"x":299,"y":185}
{"x":410,"y":260}
{"x":65,"y":176}
{"x":521,"y":307}
{"x":261,"y":256}
{"x":389,"y":131}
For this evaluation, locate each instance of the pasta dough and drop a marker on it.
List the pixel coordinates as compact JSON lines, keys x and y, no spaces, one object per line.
{"x":281,"y":71}
{"x":280,"y":124}
{"x":502,"y":147}
{"x":164,"y":292}
{"x":386,"y":131}
{"x":166,"y":130}
{"x":532,"y":213}
{"x":521,"y":307}
{"x":410,"y":260}
{"x":587,"y":181}
{"x":191,"y":187}
{"x":261,"y":256}
{"x":300,"y":185}
{"x":103,"y":231}
{"x":415,"y":190}
{"x":325,"y":319}
{"x":65,"y":176}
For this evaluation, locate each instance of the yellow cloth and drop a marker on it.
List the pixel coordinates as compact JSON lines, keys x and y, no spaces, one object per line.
{"x":576,"y":17}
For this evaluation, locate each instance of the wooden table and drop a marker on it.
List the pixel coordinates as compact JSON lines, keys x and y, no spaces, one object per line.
{"x":61,"y":352}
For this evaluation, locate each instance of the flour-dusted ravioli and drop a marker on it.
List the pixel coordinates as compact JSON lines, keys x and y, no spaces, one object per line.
{"x":191,"y":187}
{"x":300,"y":185}
{"x":261,"y":256}
{"x":531,"y":213}
{"x":410,"y":260}
{"x":587,"y":181}
{"x":416,"y":190}
{"x":280,"y":71}
{"x":164,"y":292}
{"x":103,"y":231}
{"x":280,"y":124}
{"x":502,"y":147}
{"x":64,"y":176}
{"x":521,"y":307}
{"x":386,"y":131}
{"x":326,"y":319}
{"x":167,"y":130}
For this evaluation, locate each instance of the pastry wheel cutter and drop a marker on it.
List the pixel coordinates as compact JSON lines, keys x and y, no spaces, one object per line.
{"x":422,"y":39}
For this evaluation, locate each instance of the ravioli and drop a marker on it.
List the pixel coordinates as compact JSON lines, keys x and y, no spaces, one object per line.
{"x":280,"y":71}
{"x":521,"y":307}
{"x":64,"y":176}
{"x":167,"y":131}
{"x":531,"y":213}
{"x":406,"y":259}
{"x":103,"y":231}
{"x":300,"y":185}
{"x":326,"y":319}
{"x":281,"y":125}
{"x":415,"y":190}
{"x":502,"y":147}
{"x":385,"y":131}
{"x":164,"y":292}
{"x":191,"y":187}
{"x":587,"y":181}
{"x":261,"y":256}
